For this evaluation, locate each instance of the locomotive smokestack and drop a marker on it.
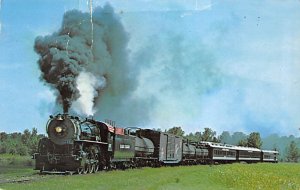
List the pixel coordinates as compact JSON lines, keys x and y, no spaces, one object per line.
{"x":59,"y":117}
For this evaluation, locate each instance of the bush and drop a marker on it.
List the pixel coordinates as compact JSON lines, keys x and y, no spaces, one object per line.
{"x":13,"y":161}
{"x":22,"y":150}
{"x":18,"y":143}
{"x":29,"y":163}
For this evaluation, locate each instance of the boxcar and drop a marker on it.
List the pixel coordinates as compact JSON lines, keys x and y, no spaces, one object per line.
{"x":167,"y":147}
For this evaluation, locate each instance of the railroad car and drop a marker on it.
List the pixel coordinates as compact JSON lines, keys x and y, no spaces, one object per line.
{"x":248,"y":154}
{"x":167,"y":147}
{"x":225,"y":153}
{"x":220,"y":153}
{"x":269,"y":156}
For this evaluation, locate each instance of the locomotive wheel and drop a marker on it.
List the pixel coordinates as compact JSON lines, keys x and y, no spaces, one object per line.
{"x":85,"y":169}
{"x":79,"y":171}
{"x":96,"y":165}
{"x":41,"y":170}
{"x":91,"y":168}
{"x":96,"y":168}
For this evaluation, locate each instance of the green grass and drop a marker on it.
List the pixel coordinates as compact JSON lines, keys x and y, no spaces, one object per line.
{"x":232,"y":176}
{"x":259,"y":176}
{"x":15,"y":160}
{"x":14,"y":167}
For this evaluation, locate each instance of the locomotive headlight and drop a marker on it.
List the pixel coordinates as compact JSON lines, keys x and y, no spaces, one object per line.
{"x":58,"y":129}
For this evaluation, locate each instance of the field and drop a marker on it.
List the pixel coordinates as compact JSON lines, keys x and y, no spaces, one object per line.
{"x":15,"y":168}
{"x":230,"y":176}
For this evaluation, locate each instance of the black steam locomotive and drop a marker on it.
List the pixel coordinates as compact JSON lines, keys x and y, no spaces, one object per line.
{"x":86,"y":146}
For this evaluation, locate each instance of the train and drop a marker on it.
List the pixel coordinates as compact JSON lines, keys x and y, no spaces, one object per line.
{"x":82,"y":146}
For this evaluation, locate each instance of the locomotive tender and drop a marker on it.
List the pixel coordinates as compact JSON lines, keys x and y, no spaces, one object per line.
{"x":86,"y":146}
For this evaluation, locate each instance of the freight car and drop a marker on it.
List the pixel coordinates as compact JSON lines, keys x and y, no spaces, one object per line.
{"x":86,"y":146}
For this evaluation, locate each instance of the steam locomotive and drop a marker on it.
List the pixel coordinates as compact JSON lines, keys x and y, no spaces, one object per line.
{"x":86,"y":146}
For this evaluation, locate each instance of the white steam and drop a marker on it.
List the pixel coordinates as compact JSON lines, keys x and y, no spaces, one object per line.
{"x":87,"y":85}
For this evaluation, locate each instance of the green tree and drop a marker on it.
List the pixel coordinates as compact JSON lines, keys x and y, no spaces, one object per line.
{"x":197,"y":136}
{"x":22,"y":150}
{"x":26,"y":136}
{"x":254,"y":140}
{"x":209,"y":135}
{"x":34,"y":140}
{"x":225,"y":137}
{"x":237,"y":137}
{"x":242,"y":142}
{"x":293,"y":153}
{"x":157,"y":129}
{"x":2,"y":148}
{"x":16,"y":135}
{"x":194,"y":136}
{"x":20,"y":143}
{"x":176,"y":131}
{"x":3,"y":136}
{"x":34,"y":132}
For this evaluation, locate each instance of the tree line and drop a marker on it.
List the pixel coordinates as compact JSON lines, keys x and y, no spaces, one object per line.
{"x":23,"y":144}
{"x":26,"y":143}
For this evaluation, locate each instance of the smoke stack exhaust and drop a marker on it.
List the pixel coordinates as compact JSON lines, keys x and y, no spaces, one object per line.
{"x":78,"y":60}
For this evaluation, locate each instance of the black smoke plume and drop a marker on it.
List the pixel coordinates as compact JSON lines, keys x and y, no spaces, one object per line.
{"x":80,"y":59}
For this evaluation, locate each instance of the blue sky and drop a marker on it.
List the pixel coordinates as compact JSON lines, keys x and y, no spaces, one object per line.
{"x":229,"y":65}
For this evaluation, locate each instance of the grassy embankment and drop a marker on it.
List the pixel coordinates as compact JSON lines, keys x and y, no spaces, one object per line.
{"x":231,"y":176}
{"x":15,"y":168}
